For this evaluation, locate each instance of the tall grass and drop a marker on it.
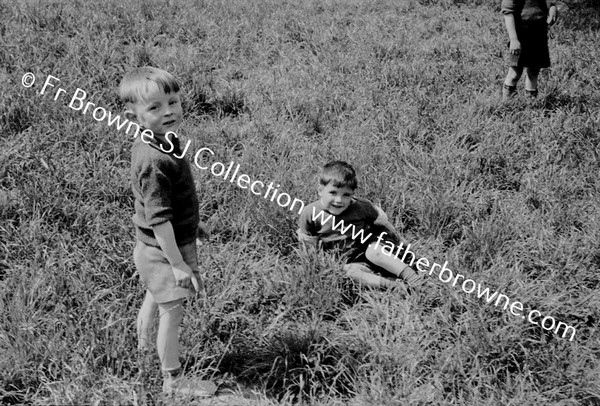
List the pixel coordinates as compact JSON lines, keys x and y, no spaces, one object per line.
{"x":406,"y":91}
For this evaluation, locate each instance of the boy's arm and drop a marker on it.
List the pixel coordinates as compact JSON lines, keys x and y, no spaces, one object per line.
{"x":509,"y":8}
{"x":552,"y":12}
{"x":305,"y":236}
{"x":181,"y":271}
{"x":515,"y":44}
{"x":382,"y":220}
{"x":307,"y":240}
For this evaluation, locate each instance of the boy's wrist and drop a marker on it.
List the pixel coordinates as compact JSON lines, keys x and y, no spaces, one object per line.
{"x":177,"y":263}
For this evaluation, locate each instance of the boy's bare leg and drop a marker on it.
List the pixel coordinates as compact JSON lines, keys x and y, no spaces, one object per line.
{"x":363,"y":275}
{"x":510,"y":82}
{"x":392,"y":264}
{"x":513,"y":76}
{"x":167,"y":339}
{"x":145,"y":320}
{"x":167,"y":343}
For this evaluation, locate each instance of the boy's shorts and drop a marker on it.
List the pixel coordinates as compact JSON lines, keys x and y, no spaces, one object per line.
{"x":533,"y":36}
{"x":357,"y":254}
{"x":156,"y":273}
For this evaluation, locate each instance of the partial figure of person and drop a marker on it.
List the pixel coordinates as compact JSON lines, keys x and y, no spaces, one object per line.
{"x":527,"y":23}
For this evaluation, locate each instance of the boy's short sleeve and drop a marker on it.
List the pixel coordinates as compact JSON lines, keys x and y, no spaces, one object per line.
{"x":155,"y":187}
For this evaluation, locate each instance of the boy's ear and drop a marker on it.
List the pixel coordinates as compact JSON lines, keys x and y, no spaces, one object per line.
{"x":320,"y":188}
{"x":130,"y":115}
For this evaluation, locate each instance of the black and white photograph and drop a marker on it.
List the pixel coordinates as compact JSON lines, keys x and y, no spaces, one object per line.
{"x":309,"y":202}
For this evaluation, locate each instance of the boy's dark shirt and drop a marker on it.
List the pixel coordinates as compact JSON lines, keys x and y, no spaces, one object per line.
{"x":164,"y":190}
{"x":361,"y":214}
{"x":527,"y":10}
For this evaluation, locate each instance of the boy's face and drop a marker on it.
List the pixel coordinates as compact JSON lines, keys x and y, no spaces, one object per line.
{"x":159,"y":112}
{"x":335,"y":199}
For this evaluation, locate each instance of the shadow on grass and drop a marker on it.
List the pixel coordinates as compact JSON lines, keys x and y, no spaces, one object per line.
{"x":297,"y":361}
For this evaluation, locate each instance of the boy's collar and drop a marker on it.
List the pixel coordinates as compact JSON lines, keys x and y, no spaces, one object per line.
{"x":159,"y":140}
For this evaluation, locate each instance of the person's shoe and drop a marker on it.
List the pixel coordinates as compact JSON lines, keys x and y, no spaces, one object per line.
{"x":508,"y":92}
{"x":182,"y":386}
{"x":531,"y":93}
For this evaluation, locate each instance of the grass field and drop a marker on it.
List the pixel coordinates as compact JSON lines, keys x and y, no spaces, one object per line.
{"x":409,"y":93}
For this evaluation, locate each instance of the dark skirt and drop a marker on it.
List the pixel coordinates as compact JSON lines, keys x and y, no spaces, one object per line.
{"x":533,"y":36}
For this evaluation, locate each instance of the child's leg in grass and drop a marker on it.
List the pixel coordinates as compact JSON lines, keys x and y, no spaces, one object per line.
{"x":145,"y":320}
{"x":510,"y":82}
{"x":167,"y":339}
{"x":364,"y":276}
{"x":392,"y":264}
{"x":513,"y":76}
{"x":531,"y":81}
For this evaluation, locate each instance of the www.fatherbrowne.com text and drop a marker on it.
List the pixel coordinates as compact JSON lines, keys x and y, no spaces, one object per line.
{"x":446,"y":275}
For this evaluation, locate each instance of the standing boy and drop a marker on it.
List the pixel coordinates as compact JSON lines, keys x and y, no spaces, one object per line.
{"x":166,"y":218}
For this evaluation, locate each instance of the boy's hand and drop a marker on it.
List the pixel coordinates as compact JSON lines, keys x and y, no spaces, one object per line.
{"x":184,"y":276}
{"x":203,"y":233}
{"x":515,"y":46}
{"x":552,"y":16}
{"x":307,"y":241}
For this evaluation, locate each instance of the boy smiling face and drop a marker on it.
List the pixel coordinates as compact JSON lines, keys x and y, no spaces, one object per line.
{"x":157,"y":111}
{"x":335,"y":199}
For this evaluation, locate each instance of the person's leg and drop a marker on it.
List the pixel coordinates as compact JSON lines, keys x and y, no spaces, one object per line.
{"x":167,"y":343}
{"x":531,"y":81}
{"x":363,"y":275}
{"x":145,"y":320}
{"x":392,"y":264}
{"x":510,"y":82}
{"x":513,"y":75}
{"x":167,"y":338}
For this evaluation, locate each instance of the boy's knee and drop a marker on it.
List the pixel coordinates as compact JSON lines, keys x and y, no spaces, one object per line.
{"x":374,"y":255}
{"x":172,"y":309}
{"x":514,"y":73}
{"x":532,"y":73}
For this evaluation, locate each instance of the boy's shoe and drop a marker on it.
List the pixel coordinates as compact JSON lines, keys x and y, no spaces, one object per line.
{"x":531,"y":93}
{"x":508,"y":92}
{"x":182,"y":386}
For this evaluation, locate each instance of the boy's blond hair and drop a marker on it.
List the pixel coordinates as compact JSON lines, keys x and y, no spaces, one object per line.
{"x":135,"y":84}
